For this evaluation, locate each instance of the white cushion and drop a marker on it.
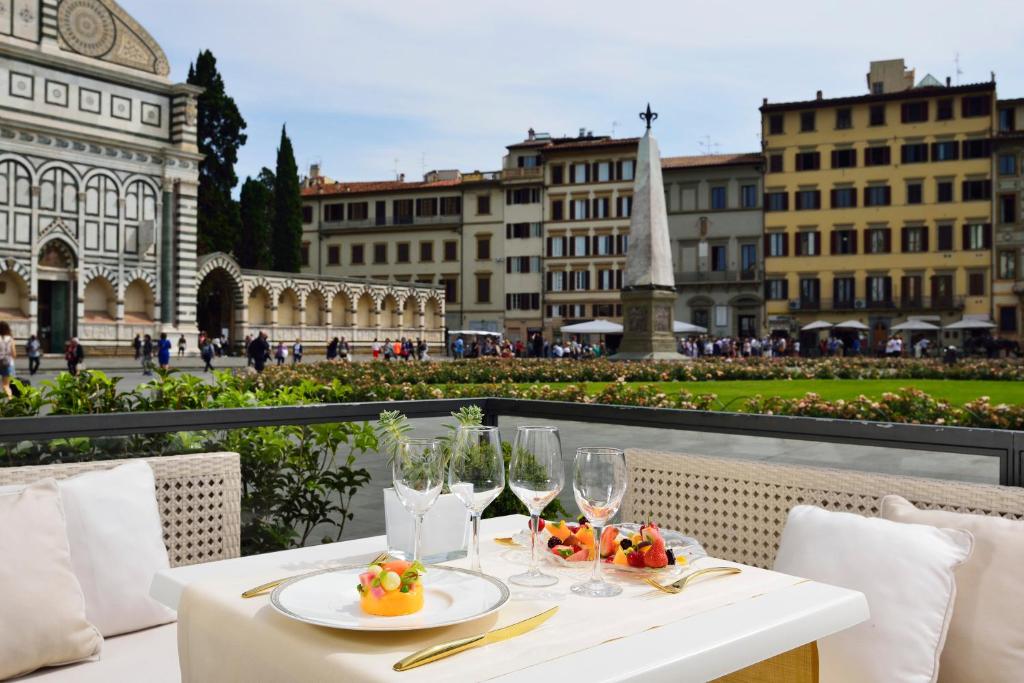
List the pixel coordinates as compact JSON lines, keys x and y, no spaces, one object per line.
{"x":986,"y":636}
{"x":42,"y":609}
{"x":117,"y":546}
{"x":150,"y":656}
{"x":906,"y":571}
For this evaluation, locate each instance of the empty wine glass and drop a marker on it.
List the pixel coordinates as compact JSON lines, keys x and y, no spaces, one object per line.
{"x":476,"y":476}
{"x":536,"y":475}
{"x":598,"y":482}
{"x":418,"y":472}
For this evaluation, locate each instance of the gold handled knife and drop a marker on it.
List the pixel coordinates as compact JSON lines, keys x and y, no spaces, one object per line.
{"x":436,"y":652}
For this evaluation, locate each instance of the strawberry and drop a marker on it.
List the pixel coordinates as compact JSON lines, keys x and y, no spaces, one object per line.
{"x":574,"y":528}
{"x":635,"y":559}
{"x":540,"y":524}
{"x":656,"y":558}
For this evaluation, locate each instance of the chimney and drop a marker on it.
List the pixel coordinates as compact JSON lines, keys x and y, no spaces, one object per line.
{"x":583,"y":132}
{"x":948,"y":81}
{"x":764,"y":102}
{"x":401,"y":177}
{"x":531,"y":134}
{"x":314,"y":171}
{"x":818,"y":96}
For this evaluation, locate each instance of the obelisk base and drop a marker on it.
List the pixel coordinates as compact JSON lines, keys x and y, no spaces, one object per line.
{"x":647,"y":326}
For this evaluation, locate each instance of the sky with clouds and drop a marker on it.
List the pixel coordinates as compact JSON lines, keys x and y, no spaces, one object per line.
{"x":448,"y":84}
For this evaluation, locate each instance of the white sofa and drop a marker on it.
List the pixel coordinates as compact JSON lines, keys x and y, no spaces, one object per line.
{"x":199,"y":498}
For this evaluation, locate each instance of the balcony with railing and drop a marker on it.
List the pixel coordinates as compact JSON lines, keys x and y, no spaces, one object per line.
{"x":534,"y":173}
{"x":692,"y":277}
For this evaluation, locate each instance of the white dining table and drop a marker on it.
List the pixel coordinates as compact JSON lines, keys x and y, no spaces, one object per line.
{"x":699,"y":648}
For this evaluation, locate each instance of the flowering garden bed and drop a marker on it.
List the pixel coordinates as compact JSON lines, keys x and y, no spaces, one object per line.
{"x":641,"y":384}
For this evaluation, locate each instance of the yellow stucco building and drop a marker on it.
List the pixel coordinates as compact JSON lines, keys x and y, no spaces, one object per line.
{"x":878,"y":207}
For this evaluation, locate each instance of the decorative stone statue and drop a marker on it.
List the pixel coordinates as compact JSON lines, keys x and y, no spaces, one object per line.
{"x":648,"y":293}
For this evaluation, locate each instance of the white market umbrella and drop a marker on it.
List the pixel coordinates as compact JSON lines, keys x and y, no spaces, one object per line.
{"x":599,"y":326}
{"x":478,"y":333}
{"x":679,"y":327}
{"x":816,"y":325}
{"x":915,"y":326}
{"x":971,"y":324}
{"x":851,"y":325}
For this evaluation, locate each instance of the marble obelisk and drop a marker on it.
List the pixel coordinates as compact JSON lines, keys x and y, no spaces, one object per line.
{"x":648,"y":293}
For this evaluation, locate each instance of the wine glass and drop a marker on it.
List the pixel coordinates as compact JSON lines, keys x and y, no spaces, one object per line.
{"x":418,"y":472}
{"x":599,"y":482}
{"x":476,"y":476}
{"x":536,"y":475}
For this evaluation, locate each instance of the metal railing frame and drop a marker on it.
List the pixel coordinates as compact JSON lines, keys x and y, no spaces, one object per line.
{"x":1006,"y":445}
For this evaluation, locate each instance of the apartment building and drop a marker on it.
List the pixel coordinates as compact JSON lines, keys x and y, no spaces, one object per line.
{"x":439,"y":231}
{"x":522,"y":177}
{"x":588,"y":194}
{"x":878,"y":207}
{"x":715,"y":224}
{"x":1008,"y":211}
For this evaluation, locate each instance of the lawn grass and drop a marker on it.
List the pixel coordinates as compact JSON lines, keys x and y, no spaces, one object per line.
{"x":733,"y":392}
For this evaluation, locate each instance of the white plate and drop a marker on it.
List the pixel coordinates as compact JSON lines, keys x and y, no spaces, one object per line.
{"x":329,"y":598}
{"x":680,"y":544}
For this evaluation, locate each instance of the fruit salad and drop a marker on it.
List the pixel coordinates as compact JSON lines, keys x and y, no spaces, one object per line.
{"x":642,"y":549}
{"x":392,"y":588}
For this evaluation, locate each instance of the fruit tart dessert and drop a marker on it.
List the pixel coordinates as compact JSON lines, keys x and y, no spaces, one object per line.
{"x":391,"y":589}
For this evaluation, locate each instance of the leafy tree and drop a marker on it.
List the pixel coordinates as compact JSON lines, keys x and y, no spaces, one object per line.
{"x":220,"y":127}
{"x":287,"y":225}
{"x":257,"y":210}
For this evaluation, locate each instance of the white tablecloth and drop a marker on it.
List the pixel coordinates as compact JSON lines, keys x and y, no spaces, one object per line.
{"x":222,"y":637}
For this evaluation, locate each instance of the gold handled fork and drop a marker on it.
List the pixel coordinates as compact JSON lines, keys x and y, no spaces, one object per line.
{"x":271,"y":585}
{"x":679,"y":585}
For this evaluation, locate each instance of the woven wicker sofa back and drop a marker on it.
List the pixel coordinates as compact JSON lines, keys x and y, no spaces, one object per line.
{"x":737,"y":508}
{"x":199,"y":496}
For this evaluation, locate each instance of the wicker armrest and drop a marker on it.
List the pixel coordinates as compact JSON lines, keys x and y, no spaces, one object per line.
{"x":199,"y":496}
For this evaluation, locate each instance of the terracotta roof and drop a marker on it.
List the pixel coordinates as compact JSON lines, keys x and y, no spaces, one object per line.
{"x":373,"y":186}
{"x":573,"y":144}
{"x":712,"y":160}
{"x":911,"y":94}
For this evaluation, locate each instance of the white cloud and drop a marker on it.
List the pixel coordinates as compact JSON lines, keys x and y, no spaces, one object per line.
{"x":460,"y":79}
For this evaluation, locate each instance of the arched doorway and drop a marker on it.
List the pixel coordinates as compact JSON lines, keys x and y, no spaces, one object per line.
{"x":314,"y":309}
{"x":57,"y":295}
{"x":219,"y":295}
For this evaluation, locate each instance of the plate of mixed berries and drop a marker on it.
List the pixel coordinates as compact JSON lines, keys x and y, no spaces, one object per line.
{"x":627,"y":547}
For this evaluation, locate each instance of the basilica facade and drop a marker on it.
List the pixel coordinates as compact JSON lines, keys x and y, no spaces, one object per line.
{"x":99,"y":171}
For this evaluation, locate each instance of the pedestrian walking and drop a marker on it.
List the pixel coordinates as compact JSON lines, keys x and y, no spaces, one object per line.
{"x":343,"y":349}
{"x":280,"y":353}
{"x":137,"y":345}
{"x":259,"y":351}
{"x":332,"y":349}
{"x":74,"y":355}
{"x":181,"y":346}
{"x":163,"y":351}
{"x":8,"y":353}
{"x":296,"y":352}
{"x":35,"y":353}
{"x":147,"y":356}
{"x":206,"y":352}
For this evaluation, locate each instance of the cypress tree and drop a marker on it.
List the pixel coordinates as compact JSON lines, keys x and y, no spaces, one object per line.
{"x":287,"y":225}
{"x":219,"y":134}
{"x":256,"y":203}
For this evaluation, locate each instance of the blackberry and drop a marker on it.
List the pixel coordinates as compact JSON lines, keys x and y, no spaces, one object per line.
{"x":671,"y":556}
{"x":625,"y":543}
{"x":582,"y":520}
{"x":553,"y":541}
